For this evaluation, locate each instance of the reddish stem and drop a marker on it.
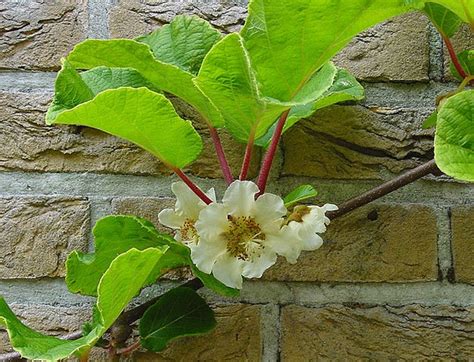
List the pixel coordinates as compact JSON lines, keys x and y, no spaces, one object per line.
{"x":192,"y":186}
{"x":132,"y":348}
{"x":248,"y":156}
{"x":268,"y":159}
{"x":454,"y":57}
{"x":221,"y":155}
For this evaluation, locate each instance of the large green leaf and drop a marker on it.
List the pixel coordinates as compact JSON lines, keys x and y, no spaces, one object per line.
{"x":454,"y":139}
{"x":466,"y":59}
{"x":288,"y":41}
{"x":143,"y":117}
{"x":124,"y":53}
{"x":72,"y":88}
{"x":227,"y":79}
{"x":119,"y":284}
{"x":344,"y":88}
{"x":184,"y":42}
{"x":444,"y":19}
{"x":178,"y":313}
{"x":462,"y":8}
{"x":115,"y":235}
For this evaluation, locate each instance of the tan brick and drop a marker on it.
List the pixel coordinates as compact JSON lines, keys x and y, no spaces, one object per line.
{"x":38,"y":234}
{"x":377,"y":243}
{"x":462,"y":40}
{"x":462,"y":221}
{"x":381,"y":53}
{"x":132,"y":18}
{"x":51,"y":320}
{"x":379,"y":333}
{"x":35,"y":34}
{"x":353,"y":142}
{"x":30,"y":145}
{"x":236,"y":338}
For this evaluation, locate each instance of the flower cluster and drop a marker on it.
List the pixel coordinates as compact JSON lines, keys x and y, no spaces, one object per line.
{"x":243,"y":234}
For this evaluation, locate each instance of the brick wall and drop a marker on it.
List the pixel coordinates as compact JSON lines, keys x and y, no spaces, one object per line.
{"x":395,"y":277}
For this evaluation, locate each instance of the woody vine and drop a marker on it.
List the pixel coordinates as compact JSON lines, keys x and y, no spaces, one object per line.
{"x":255,"y":84}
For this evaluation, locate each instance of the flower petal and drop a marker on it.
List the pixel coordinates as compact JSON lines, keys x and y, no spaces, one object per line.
{"x":239,"y":198}
{"x":205,"y":254}
{"x":169,"y":218}
{"x":187,"y":202}
{"x":212,"y":221}
{"x":256,"y":267}
{"x":286,"y":243}
{"x":228,"y":270}
{"x":268,"y":210}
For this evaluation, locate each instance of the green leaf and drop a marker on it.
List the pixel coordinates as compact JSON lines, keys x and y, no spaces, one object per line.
{"x":454,"y":139}
{"x":288,"y":41}
{"x":143,"y":117}
{"x":115,"y":235}
{"x":466,"y":59}
{"x":344,"y":88}
{"x":444,"y":19}
{"x":462,"y":8}
{"x":184,"y":42}
{"x":119,"y":284}
{"x":72,"y":88}
{"x":178,"y":313}
{"x":228,"y":80}
{"x":212,"y":283}
{"x":299,"y":194}
{"x":124,"y":53}
{"x":430,"y":121}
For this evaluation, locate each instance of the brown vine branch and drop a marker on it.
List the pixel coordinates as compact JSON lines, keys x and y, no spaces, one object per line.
{"x":121,"y":329}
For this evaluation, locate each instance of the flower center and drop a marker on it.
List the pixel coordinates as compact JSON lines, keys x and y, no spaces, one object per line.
{"x":244,"y":237}
{"x":188,"y":231}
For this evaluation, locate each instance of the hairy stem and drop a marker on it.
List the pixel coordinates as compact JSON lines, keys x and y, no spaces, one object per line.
{"x":192,"y":186}
{"x":385,"y":188}
{"x":270,"y":155}
{"x":221,"y":155}
{"x":454,"y":57}
{"x":247,"y":157}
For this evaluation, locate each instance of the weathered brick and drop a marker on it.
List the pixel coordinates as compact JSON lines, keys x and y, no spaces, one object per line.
{"x":462,"y":221}
{"x":51,"y":320}
{"x":30,"y":145}
{"x":377,"y":243}
{"x":236,"y":338}
{"x":462,"y":40}
{"x":35,"y":34}
{"x":411,"y":332}
{"x":129,"y":19}
{"x":38,"y":233}
{"x":381,"y":52}
{"x":354,"y":142}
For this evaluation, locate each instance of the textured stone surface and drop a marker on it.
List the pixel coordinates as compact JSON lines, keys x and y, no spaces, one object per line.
{"x":462,"y":40}
{"x":36,"y":34}
{"x":51,"y":320}
{"x":373,"y":244}
{"x":32,"y":146}
{"x":236,"y":338}
{"x":38,"y":234}
{"x":132,"y":18}
{"x":462,"y":226}
{"x":384,"y":333}
{"x":381,"y":52}
{"x":353,"y":142}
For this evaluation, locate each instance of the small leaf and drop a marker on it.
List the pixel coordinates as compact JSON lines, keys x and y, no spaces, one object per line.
{"x":299,"y":194}
{"x":178,"y":313}
{"x":444,"y":19}
{"x":143,"y":117}
{"x":430,"y":121}
{"x":466,"y":59}
{"x":184,"y":42}
{"x":115,"y":235}
{"x":212,"y":283}
{"x":454,"y":139}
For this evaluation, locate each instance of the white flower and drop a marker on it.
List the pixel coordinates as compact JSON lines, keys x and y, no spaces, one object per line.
{"x":240,"y":236}
{"x":185,"y":213}
{"x":304,"y":225}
